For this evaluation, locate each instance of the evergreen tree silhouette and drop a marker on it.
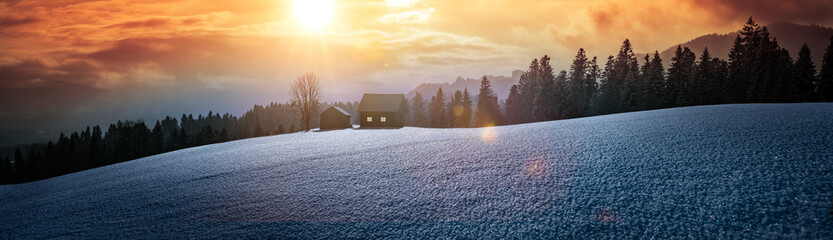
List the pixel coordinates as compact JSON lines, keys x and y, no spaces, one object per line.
{"x":465,"y":119}
{"x":156,"y":138}
{"x":824,"y":88}
{"x":545,"y":90}
{"x":487,"y":112}
{"x":418,"y":110}
{"x":576,"y":93}
{"x":513,"y":106}
{"x":703,"y":83}
{"x":680,"y":76}
{"x":557,"y":98}
{"x":224,"y":136}
{"x":437,"y":114}
{"x":654,"y":74}
{"x":455,"y":110}
{"x":805,"y":76}
{"x":528,"y":86}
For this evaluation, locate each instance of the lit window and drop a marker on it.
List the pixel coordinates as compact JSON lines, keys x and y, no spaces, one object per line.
{"x":370,"y":119}
{"x":382,"y":119}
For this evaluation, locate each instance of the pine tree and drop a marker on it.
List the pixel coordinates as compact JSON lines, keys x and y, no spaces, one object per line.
{"x":224,"y":136}
{"x":437,"y":115}
{"x":156,"y":138}
{"x":654,"y":74}
{"x":576,"y":84}
{"x":513,"y":106}
{"x":781,"y":76}
{"x":591,"y":87}
{"x":824,"y":87}
{"x":455,"y":110}
{"x":183,"y":140}
{"x":617,"y":71}
{"x":631,"y":98}
{"x":534,"y":87}
{"x":679,"y":77}
{"x":608,"y":93}
{"x":545,"y":91}
{"x":721,"y":81}
{"x":805,"y":76}
{"x":465,"y":119}
{"x":526,"y":88}
{"x":418,"y":110}
{"x":557,"y":95}
{"x":759,"y":69}
{"x":703,"y":83}
{"x":487,"y":112}
{"x":741,"y":61}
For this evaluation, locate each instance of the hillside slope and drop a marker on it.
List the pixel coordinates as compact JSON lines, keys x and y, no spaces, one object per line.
{"x":500,"y":84}
{"x":789,"y":35}
{"x":726,"y":171}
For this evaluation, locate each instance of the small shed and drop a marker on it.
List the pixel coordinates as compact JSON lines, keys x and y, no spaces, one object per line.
{"x":383,"y":110}
{"x":335,"y":118}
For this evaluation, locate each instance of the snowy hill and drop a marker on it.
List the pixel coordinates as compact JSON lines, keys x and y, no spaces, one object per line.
{"x":727,"y":171}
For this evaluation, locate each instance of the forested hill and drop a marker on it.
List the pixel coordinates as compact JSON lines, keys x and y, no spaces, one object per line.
{"x":500,"y":84}
{"x":790,"y":36}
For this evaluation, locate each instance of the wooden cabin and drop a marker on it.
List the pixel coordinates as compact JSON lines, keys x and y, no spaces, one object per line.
{"x":335,"y":118}
{"x":383,"y":110}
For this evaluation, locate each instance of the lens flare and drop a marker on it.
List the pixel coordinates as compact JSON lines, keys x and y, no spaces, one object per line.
{"x":536,"y":167}
{"x":488,"y":134}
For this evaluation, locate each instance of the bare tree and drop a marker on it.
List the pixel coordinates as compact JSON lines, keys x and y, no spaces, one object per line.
{"x":306,"y":93}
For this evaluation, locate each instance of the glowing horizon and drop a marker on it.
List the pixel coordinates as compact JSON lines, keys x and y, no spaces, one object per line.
{"x":73,"y":60}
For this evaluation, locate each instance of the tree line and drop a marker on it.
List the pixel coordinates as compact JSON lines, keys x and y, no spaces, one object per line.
{"x":128,"y":140}
{"x":758,"y":70}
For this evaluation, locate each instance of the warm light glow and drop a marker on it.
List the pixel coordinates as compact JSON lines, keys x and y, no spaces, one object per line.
{"x":401,"y":3}
{"x":536,"y":167}
{"x":488,"y":134}
{"x":313,"y":14}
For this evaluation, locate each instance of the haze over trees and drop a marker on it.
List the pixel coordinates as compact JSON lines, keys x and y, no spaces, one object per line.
{"x":127,"y":140}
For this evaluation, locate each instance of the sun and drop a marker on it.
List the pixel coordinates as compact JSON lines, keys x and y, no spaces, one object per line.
{"x":313,"y":14}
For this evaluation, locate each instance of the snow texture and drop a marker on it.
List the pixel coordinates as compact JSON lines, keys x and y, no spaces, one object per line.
{"x":711,"y":172}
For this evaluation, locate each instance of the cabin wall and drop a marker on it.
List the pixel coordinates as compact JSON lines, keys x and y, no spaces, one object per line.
{"x":334,"y":120}
{"x":393,"y":119}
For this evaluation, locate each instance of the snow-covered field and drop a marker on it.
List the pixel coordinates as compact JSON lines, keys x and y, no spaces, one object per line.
{"x":728,"y":171}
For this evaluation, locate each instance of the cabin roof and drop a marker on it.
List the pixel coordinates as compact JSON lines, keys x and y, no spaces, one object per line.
{"x":337,"y":109}
{"x":381,"y":102}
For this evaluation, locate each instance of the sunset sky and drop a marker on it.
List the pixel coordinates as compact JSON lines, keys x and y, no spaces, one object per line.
{"x":70,"y":63}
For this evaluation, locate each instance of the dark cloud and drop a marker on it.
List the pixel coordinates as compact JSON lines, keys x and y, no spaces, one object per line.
{"x":7,"y":22}
{"x":801,"y":11}
{"x":30,"y":72}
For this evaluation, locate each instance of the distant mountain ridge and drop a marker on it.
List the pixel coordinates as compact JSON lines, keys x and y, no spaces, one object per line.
{"x":789,"y":35}
{"x":500,"y":84}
